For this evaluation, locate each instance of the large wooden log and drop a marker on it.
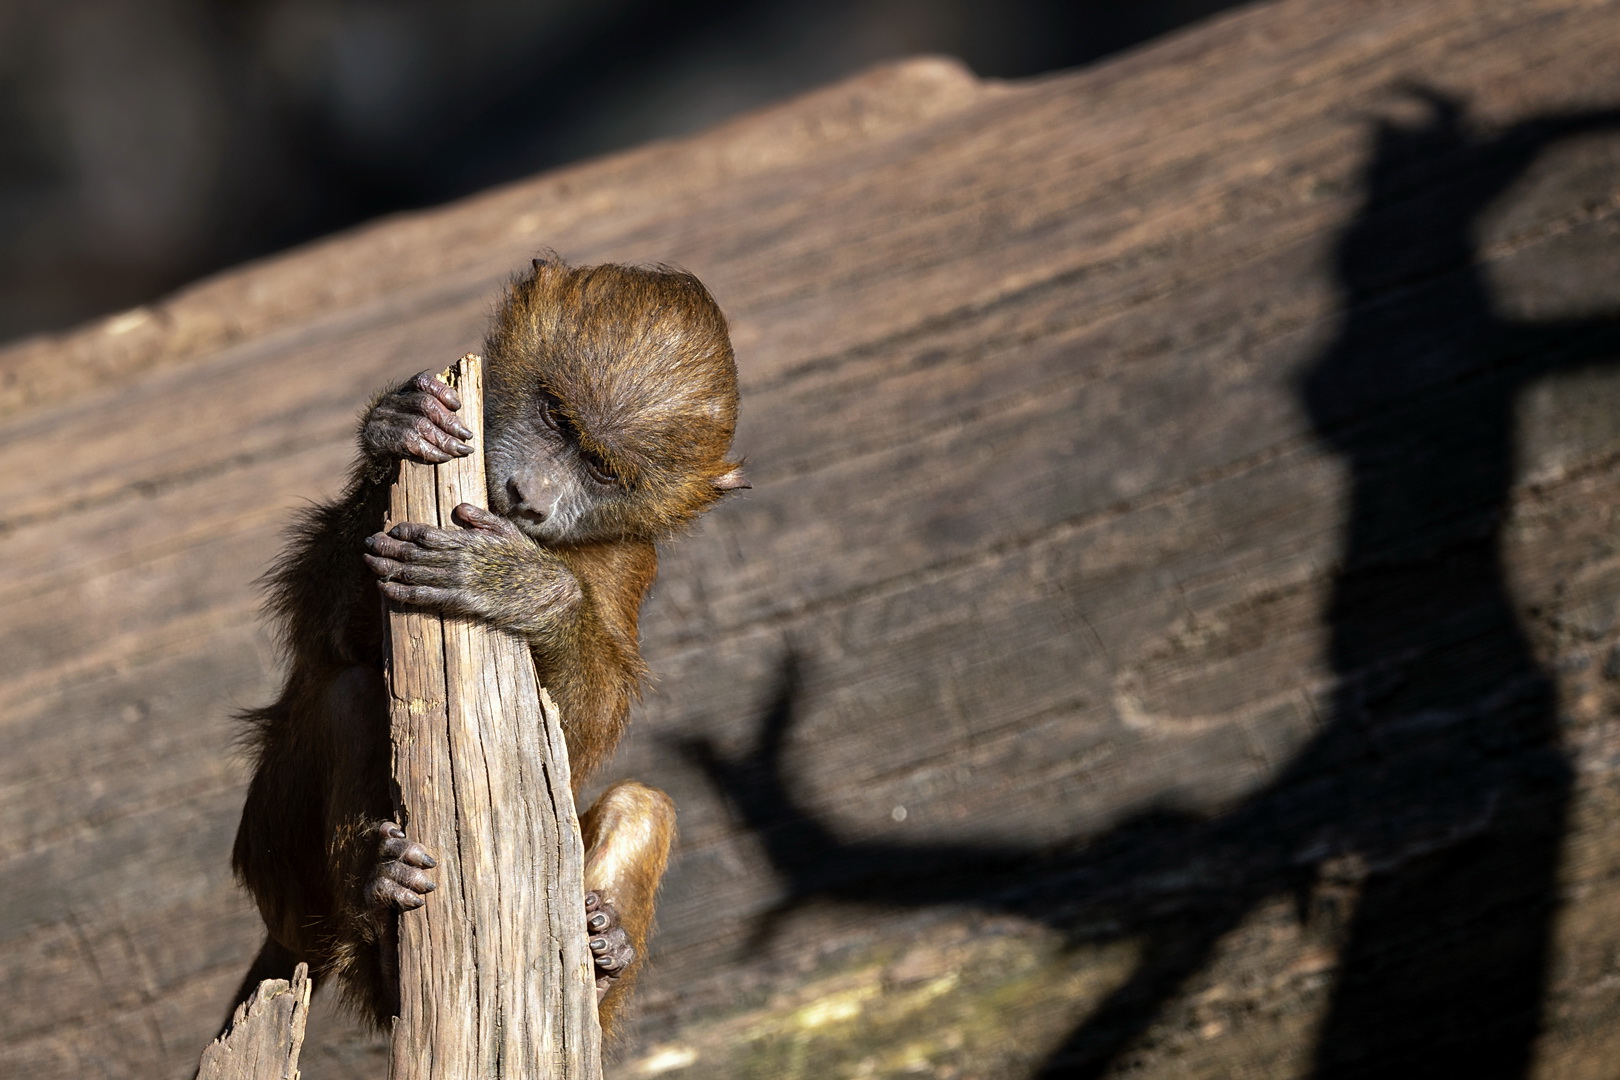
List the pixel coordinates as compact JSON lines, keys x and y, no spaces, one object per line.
{"x":1047,"y":555}
{"x":495,"y":979}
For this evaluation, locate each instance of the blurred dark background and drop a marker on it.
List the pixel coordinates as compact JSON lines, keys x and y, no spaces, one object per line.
{"x":144,"y":143}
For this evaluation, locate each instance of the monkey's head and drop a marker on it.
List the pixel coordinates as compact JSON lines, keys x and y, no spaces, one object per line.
{"x":610,"y":402}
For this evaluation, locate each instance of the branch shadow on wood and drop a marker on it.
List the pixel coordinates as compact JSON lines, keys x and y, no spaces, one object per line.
{"x":1434,"y":798}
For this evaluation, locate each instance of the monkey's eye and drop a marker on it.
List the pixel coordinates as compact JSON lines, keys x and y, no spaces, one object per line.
{"x":599,"y":469}
{"x":546,"y":404}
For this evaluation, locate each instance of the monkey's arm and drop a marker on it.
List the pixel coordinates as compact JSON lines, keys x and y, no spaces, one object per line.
{"x":488,"y":570}
{"x":581,"y":631}
{"x":319,"y":591}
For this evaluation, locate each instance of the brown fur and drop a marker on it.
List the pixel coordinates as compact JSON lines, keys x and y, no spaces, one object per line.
{"x":638,"y":368}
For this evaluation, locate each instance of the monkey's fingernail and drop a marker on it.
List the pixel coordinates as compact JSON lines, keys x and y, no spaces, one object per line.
{"x":592,"y":901}
{"x":391,"y":830}
{"x":607,"y":963}
{"x":598,"y":921}
{"x":598,"y":945}
{"x":461,"y":447}
{"x":428,"y":862}
{"x":463,"y":431}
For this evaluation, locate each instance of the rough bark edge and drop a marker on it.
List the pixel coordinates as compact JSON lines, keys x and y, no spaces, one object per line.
{"x":265,"y":1036}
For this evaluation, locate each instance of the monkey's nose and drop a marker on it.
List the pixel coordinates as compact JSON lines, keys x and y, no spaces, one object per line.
{"x":521,"y":503}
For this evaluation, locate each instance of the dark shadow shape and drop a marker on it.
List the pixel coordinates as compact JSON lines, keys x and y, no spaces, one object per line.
{"x":815,"y":864}
{"x":1437,"y":775}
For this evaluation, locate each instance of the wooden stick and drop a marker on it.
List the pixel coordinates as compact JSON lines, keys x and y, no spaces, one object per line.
{"x":265,"y":1035}
{"x":494,"y":975}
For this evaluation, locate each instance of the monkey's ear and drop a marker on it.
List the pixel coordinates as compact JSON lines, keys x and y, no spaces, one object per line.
{"x":731,"y":481}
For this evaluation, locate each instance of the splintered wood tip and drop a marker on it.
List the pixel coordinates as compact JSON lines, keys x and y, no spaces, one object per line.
{"x":452,"y":375}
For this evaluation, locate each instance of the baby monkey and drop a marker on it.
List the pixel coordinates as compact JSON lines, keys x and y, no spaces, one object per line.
{"x":611,"y":398}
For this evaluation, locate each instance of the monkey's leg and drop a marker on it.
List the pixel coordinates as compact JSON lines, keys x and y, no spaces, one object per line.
{"x":273,"y":962}
{"x":628,"y":834}
{"x":373,"y":870}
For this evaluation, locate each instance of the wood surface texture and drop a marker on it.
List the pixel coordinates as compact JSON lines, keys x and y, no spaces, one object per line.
{"x":495,"y":978}
{"x":267,"y":1032}
{"x":1175,"y":628}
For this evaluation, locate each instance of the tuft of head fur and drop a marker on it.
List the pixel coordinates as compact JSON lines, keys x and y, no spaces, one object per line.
{"x":641,"y":361}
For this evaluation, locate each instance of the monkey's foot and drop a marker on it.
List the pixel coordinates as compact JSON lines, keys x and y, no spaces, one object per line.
{"x":609,"y":944}
{"x":399,"y":881}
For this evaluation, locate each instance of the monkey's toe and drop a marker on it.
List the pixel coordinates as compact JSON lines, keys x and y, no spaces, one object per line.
{"x":610,"y":946}
{"x":396,"y":845}
{"x":400,"y":881}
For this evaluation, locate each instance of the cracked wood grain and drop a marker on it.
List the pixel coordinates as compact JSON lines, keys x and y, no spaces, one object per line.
{"x":266,"y":1035}
{"x":495,"y":978}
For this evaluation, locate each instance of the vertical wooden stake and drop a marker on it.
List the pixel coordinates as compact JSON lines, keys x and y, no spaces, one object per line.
{"x":265,"y":1035}
{"x":494,"y":976}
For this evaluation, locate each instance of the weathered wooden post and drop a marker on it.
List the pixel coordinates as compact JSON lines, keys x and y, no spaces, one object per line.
{"x":265,"y":1036}
{"x":495,"y":978}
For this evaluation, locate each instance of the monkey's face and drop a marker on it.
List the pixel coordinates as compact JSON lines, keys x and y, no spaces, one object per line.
{"x":610,"y":401}
{"x":546,"y":481}
{"x":563,"y":482}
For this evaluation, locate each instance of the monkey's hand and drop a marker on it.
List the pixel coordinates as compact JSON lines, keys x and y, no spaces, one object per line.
{"x":416,"y":420}
{"x":489,"y":570}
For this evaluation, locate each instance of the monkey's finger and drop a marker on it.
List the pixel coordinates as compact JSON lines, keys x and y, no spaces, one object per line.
{"x":418,"y":447}
{"x":387,"y":569}
{"x":429,"y":382}
{"x":408,"y":407}
{"x":419,"y":406}
{"x":389,"y":547}
{"x":436,"y":434}
{"x":414,"y":573}
{"x":430,"y":398}
{"x":383,"y":568}
{"x":423,"y":596}
{"x":417,"y":426}
{"x":430,"y":537}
